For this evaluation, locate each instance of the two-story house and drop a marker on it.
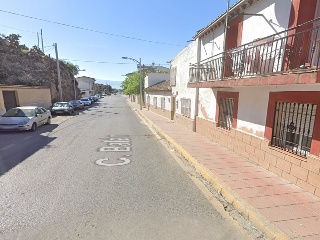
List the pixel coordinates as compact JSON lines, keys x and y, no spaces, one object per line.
{"x":256,"y":85}
{"x":86,"y":86}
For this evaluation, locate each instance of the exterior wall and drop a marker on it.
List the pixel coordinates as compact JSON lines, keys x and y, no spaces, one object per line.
{"x":166,"y":112}
{"x":154,"y":78}
{"x":27,"y":96}
{"x":86,"y":86}
{"x":275,"y":19}
{"x":207,"y":103}
{"x":184,"y":121}
{"x":180,"y":90}
{"x":212,"y":43}
{"x":304,"y":172}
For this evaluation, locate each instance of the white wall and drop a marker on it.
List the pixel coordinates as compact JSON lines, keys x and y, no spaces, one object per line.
{"x":212,"y":43}
{"x":182,"y":62}
{"x":207,"y":103}
{"x":159,"y":95}
{"x":275,"y":19}
{"x":154,"y":78}
{"x":253,"y":105}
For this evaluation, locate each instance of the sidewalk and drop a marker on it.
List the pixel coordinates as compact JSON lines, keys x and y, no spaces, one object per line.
{"x":277,"y":207}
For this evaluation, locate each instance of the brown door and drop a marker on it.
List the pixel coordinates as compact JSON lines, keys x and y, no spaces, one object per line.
{"x":10,"y":100}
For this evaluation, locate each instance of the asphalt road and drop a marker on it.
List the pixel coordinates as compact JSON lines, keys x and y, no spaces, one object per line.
{"x":101,"y":174}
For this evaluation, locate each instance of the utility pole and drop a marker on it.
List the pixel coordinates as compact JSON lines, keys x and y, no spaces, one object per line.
{"x":58,"y":70}
{"x":38,"y":39}
{"x":42,"y":42}
{"x":225,"y":41}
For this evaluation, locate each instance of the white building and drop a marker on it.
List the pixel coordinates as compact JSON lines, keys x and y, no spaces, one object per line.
{"x":257,"y":91}
{"x":86,"y":86}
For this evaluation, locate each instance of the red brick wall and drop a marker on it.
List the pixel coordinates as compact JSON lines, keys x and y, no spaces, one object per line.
{"x":304,"y":172}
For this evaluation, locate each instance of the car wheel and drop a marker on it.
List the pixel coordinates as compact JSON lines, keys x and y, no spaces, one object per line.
{"x":48,"y":121}
{"x":33,"y":127}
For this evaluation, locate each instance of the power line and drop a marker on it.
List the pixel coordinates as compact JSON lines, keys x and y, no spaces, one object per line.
{"x":90,"y":30}
{"x":102,"y":62}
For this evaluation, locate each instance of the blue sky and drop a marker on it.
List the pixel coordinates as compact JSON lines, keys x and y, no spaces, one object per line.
{"x":113,"y":29}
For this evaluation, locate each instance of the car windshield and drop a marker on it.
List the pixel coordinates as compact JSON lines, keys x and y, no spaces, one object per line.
{"x":84,"y":99}
{"x":60,"y":105}
{"x":17,"y":112}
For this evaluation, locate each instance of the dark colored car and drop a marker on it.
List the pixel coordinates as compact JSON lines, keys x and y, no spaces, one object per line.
{"x":77,"y":104}
{"x":62,"y":108}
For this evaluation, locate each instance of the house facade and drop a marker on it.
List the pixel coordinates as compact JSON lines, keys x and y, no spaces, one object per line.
{"x":86,"y":86}
{"x":183,"y":97}
{"x":256,"y":85}
{"x":18,"y":95}
{"x":157,"y":94}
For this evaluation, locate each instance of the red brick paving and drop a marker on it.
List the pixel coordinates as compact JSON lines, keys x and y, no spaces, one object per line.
{"x":289,"y":208}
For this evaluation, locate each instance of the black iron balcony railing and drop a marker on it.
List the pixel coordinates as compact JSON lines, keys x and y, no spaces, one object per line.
{"x":278,"y":53}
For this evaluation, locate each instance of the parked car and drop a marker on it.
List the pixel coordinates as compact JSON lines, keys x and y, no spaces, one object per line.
{"x":77,"y":104}
{"x":86,"y":101}
{"x":62,"y":108}
{"x":24,"y":118}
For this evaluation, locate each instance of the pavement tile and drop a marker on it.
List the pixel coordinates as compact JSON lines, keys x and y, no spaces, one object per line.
{"x":303,"y":228}
{"x":291,"y":209}
{"x":288,"y":212}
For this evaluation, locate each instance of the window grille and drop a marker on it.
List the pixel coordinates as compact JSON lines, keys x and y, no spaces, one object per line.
{"x":186,"y":107}
{"x":155,"y":102}
{"x":163,"y":103}
{"x":293,"y":127}
{"x":226,"y":106}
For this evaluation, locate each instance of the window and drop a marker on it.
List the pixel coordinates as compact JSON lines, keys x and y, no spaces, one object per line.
{"x":186,"y":107}
{"x":155,"y":102}
{"x":226,"y":106}
{"x":173,"y":75}
{"x":293,"y":127}
{"x":163,"y":103}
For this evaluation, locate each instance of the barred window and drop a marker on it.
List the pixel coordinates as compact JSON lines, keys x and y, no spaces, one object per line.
{"x":226,"y":106}
{"x":155,"y":102}
{"x":293,"y":127}
{"x":186,"y":107}
{"x":163,"y":103}
{"x":173,"y":75}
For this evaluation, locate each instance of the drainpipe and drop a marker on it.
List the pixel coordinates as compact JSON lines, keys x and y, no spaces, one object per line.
{"x":196,"y":104}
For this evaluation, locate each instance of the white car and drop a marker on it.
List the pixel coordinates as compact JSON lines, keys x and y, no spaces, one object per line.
{"x":24,"y":118}
{"x":86,"y":101}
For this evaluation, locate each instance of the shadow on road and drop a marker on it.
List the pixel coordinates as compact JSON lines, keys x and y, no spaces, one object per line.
{"x":15,"y":147}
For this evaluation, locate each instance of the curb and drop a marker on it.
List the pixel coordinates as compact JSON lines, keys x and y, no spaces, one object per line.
{"x":225,"y":191}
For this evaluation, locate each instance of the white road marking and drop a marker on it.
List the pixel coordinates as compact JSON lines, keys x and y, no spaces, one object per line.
{"x":125,"y":160}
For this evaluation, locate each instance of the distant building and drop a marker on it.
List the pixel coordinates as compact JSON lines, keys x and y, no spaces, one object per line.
{"x":86,"y":86}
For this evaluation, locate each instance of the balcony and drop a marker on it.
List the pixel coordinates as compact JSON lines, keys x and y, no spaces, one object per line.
{"x":289,"y":55}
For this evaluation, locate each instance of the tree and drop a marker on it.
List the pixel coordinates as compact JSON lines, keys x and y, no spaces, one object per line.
{"x":74,"y":69}
{"x":13,"y":39}
{"x":131,"y":85}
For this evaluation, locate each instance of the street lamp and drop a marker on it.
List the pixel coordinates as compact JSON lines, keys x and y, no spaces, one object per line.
{"x":74,"y":83}
{"x":140,"y":83}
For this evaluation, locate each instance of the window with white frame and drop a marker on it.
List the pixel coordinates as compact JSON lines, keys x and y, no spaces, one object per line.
{"x":293,"y":127}
{"x":186,"y":107}
{"x":226,"y":106}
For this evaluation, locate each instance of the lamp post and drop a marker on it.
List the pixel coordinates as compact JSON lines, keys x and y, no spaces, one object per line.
{"x":74,"y":83}
{"x":140,"y":82}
